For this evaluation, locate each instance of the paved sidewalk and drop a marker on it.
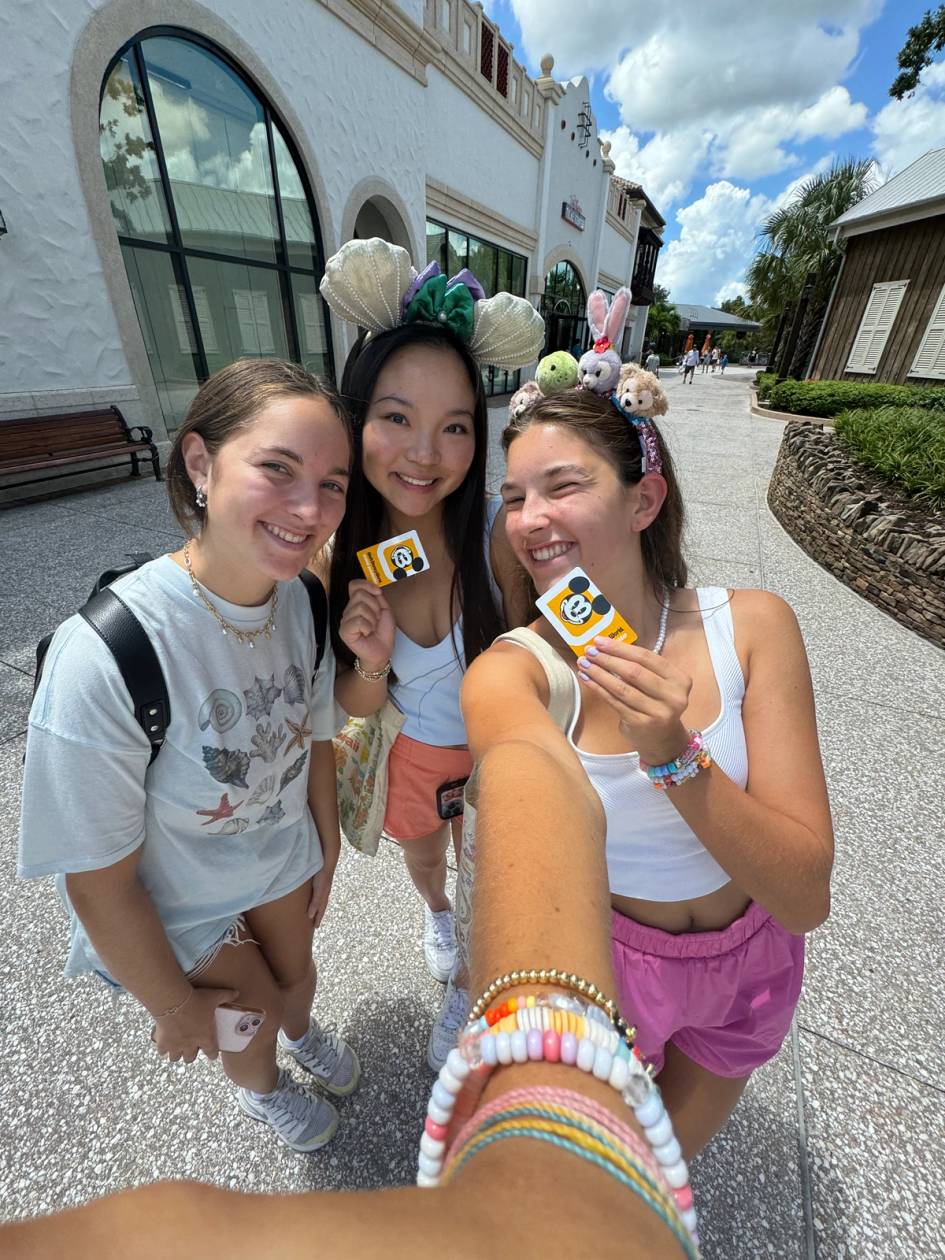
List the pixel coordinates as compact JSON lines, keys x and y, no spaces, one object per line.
{"x":838,"y":1146}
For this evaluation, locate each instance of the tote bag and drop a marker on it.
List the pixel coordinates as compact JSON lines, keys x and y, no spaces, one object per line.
{"x":362,"y":748}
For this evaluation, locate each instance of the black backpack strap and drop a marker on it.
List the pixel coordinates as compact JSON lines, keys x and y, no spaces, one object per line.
{"x":319,"y":602}
{"x":126,"y":639}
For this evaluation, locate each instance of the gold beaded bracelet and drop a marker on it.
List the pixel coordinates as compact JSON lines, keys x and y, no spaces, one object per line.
{"x":559,"y":980}
{"x":370,"y":675}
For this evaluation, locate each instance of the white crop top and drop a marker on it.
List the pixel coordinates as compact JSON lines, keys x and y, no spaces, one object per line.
{"x":652,"y":852}
{"x":429,"y":678}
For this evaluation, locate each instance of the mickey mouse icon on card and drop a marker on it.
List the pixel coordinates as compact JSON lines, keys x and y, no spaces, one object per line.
{"x":580,"y":612}
{"x":394,"y":559}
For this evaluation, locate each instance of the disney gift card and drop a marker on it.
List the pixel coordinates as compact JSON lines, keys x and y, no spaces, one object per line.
{"x":395,"y":558}
{"x":580,"y":612}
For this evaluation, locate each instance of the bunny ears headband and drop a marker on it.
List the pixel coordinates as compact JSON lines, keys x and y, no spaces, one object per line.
{"x":372,"y":283}
{"x":636,"y":394}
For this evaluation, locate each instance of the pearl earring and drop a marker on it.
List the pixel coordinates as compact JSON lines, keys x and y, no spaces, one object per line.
{"x":201,"y":498}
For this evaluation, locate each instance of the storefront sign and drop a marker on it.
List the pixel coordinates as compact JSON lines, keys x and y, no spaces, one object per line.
{"x":572,"y":213}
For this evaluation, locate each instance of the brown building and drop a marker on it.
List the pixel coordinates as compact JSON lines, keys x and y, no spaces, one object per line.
{"x":886,"y":318}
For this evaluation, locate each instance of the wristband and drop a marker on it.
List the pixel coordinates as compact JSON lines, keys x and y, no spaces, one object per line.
{"x":370,"y":675}
{"x":693,"y":758}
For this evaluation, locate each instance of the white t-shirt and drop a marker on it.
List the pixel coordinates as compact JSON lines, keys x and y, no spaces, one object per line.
{"x":221,"y":817}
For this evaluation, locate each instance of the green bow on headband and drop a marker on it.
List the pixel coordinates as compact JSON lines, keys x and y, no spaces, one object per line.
{"x":434,"y":303}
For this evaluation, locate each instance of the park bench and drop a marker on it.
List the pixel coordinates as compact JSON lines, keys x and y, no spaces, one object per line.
{"x":43,"y":443}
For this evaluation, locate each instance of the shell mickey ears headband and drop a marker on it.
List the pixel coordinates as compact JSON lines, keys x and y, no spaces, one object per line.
{"x":372,"y":283}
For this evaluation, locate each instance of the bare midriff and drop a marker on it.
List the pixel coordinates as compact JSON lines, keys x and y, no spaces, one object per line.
{"x":710,"y":913}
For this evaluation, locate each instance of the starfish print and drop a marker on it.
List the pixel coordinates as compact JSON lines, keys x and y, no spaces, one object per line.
{"x":223,"y":810}
{"x":300,"y":733}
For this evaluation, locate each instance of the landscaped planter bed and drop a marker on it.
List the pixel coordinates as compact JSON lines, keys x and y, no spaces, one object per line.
{"x":861,"y":529}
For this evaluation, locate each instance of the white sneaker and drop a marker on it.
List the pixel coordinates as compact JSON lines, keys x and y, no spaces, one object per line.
{"x":327,"y":1057}
{"x":303,"y":1120}
{"x":445,"y":1032}
{"x":439,"y":942}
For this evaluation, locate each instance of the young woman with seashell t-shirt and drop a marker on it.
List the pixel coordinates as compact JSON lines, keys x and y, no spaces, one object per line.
{"x":195,"y":881}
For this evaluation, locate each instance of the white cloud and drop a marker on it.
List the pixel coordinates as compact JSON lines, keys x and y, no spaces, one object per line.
{"x":904,"y":130}
{"x":718,"y":238}
{"x":693,"y":97}
{"x":716,"y":241}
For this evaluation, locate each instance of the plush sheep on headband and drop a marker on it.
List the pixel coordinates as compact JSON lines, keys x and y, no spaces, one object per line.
{"x":599,"y":367}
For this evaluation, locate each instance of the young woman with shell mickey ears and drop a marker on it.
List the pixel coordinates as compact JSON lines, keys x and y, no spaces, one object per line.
{"x":420,"y":430}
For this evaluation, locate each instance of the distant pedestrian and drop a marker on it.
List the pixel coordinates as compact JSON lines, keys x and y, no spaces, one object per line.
{"x":690,"y":359}
{"x":714,"y":358}
{"x":723,"y":364}
{"x":704,"y":359}
{"x":652,"y":363}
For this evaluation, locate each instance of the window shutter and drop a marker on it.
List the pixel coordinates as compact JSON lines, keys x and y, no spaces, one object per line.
{"x":930,"y":358}
{"x":875,"y":326}
{"x":252,"y":314}
{"x":185,"y":331}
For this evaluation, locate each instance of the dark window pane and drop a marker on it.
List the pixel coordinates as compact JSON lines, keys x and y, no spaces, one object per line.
{"x":310,"y":320}
{"x":458,"y":246}
{"x":127,"y":148}
{"x":299,"y":231}
{"x":436,"y":245}
{"x":482,"y":264}
{"x":246,"y":306}
{"x":166,"y":328}
{"x":503,"y":272}
{"x":213,"y":132}
{"x":518,"y":275}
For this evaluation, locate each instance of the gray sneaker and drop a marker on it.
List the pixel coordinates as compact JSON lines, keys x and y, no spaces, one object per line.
{"x":302,"y":1119}
{"x":329,"y":1059}
{"x":439,"y":942}
{"x":449,"y":1022}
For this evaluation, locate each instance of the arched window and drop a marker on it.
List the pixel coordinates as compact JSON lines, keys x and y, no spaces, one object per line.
{"x":564,"y":293}
{"x":564,"y":306}
{"x":216,"y":222}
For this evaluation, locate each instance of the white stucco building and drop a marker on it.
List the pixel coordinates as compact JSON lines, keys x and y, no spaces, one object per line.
{"x":170,"y":192}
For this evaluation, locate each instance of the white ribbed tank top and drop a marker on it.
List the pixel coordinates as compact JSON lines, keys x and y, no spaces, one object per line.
{"x":652,"y":853}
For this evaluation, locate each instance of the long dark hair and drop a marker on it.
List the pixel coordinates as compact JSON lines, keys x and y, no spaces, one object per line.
{"x":594,"y":419}
{"x":464,"y":511}
{"x":225,"y":404}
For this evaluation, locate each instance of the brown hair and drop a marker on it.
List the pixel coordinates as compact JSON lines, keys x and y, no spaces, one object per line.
{"x":594,"y":419}
{"x":227,"y":403}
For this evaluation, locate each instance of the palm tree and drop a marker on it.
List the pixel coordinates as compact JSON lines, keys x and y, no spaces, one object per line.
{"x":662,"y":318}
{"x":796,"y":249}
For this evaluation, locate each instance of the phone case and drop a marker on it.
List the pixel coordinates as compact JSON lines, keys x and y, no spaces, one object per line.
{"x":237,"y":1026}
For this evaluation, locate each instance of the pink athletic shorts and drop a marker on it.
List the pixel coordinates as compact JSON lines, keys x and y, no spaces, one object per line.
{"x":414,"y":772}
{"x":725,"y":999}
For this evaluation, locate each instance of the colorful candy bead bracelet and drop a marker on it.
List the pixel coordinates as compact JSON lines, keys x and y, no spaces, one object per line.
{"x":553,"y":1028}
{"x":694,"y":757}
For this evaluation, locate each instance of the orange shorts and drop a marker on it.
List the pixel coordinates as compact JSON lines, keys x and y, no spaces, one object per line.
{"x":414,"y":772}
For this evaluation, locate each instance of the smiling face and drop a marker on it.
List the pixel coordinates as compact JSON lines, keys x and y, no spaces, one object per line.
{"x":419,"y":440}
{"x":275,"y":493}
{"x":566,"y":506}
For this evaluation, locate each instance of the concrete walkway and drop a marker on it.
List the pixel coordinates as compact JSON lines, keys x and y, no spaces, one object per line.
{"x":838,"y":1146}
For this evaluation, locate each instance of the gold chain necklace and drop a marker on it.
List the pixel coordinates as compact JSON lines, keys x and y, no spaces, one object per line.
{"x":241,"y":636}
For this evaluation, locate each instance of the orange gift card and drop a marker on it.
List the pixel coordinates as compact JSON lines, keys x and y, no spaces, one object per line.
{"x":580,"y":612}
{"x":394,"y":559}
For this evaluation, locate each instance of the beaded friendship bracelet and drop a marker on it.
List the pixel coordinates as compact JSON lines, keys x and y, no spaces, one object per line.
{"x":370,"y":675}
{"x":558,"y":979}
{"x":571,"y":1133}
{"x":694,"y":757}
{"x":553,"y":1029}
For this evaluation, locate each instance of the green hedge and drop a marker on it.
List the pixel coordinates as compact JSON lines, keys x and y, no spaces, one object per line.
{"x":905,"y":444}
{"x":764,"y":381}
{"x":829,"y":398}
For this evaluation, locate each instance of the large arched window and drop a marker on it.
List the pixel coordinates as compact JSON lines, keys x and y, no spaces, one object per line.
{"x":216,"y":222}
{"x":564,"y":306}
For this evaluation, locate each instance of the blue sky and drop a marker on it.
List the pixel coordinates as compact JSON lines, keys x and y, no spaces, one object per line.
{"x":721,"y":120}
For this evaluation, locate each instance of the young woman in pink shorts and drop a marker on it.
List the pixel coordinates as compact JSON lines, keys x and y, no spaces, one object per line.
{"x":420,"y":420}
{"x":716,"y":878}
